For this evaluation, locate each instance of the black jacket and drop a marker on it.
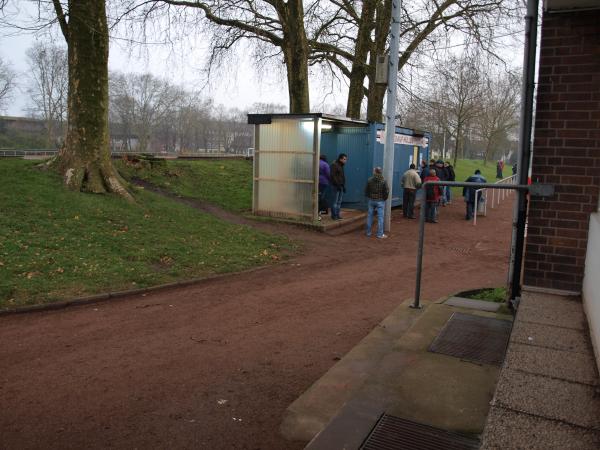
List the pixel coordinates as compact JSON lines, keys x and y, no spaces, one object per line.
{"x":451,"y":174}
{"x":377,"y":188}
{"x":338,"y":179}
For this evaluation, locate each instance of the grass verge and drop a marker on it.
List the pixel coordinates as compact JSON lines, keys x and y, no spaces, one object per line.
{"x":56,"y":244}
{"x":226,"y":183}
{"x":466,"y":167}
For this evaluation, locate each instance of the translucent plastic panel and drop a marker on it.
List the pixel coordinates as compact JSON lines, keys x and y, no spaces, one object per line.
{"x":287,"y":135}
{"x":284,"y":199}
{"x":285,"y":168}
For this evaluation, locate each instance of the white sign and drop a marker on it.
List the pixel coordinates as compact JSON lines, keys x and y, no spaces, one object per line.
{"x":404,"y":139}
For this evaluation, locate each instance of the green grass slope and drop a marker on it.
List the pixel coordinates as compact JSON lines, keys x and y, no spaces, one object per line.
{"x":225,"y":183}
{"x":56,"y":244}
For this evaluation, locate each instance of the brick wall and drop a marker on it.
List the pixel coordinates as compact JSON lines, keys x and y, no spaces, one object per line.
{"x":566,"y":150}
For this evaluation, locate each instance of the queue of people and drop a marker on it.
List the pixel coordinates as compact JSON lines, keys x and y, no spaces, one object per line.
{"x":377,"y":191}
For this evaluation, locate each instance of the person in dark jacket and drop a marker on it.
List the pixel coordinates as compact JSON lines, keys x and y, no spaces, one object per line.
{"x":377,"y":191}
{"x":442,"y":174}
{"x":338,"y":185}
{"x":324,"y":179}
{"x":424,"y":169}
{"x":514,"y":169}
{"x":451,"y":176}
{"x":469,"y":193}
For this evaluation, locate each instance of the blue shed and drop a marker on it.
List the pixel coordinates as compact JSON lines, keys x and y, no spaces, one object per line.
{"x":286,"y":160}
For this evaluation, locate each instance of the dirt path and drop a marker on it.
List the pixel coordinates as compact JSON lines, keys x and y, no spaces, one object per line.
{"x":214,"y":366}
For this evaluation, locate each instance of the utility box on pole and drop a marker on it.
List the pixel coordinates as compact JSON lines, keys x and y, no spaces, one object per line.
{"x":382,"y":69}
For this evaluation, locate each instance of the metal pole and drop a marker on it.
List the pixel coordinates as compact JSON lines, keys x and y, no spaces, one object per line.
{"x":476,"y":206}
{"x":525,"y":127}
{"x":420,"y":247}
{"x":390,"y":115}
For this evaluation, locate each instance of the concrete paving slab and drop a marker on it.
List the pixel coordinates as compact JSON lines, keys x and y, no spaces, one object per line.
{"x":548,"y":336}
{"x":314,"y":409}
{"x":507,"y":429}
{"x":350,"y":426}
{"x":469,"y":303}
{"x":574,"y":403}
{"x":438,"y":390}
{"x":566,"y":365}
{"x":555,"y":310}
{"x":412,"y":383}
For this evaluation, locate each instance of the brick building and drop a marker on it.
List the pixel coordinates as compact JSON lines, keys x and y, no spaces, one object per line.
{"x":566,"y":149}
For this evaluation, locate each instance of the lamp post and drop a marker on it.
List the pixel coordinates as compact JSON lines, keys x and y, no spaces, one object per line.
{"x":390,"y":114}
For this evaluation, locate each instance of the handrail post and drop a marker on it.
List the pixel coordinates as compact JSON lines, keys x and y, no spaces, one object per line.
{"x":416,"y":304}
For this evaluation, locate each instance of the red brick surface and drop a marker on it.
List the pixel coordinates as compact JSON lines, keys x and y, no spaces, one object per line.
{"x":566,"y":150}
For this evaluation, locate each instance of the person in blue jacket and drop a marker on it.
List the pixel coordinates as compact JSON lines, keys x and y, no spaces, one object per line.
{"x":469,"y":193}
{"x":324,"y":179}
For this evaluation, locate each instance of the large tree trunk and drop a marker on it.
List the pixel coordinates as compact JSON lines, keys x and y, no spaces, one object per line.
{"x":356,"y":92}
{"x":85,"y":160}
{"x":295,"y":52}
{"x":377,"y":92}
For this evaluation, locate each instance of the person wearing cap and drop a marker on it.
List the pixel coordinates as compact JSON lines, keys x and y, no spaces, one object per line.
{"x":469,"y":193}
{"x":377,"y":191}
{"x":411,"y":181}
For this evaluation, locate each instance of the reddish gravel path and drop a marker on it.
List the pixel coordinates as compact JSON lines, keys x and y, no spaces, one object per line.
{"x":150,"y":371}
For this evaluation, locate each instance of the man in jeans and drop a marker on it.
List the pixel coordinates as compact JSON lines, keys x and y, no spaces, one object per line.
{"x":338,"y":185}
{"x":411,"y":181}
{"x":377,"y":192}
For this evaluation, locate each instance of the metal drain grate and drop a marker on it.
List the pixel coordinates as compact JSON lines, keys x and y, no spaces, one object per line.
{"x":473,"y":338}
{"x":394,"y":433}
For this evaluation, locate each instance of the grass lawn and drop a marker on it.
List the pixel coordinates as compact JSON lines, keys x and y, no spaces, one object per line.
{"x":56,"y":244}
{"x":226,"y":183}
{"x":466,"y":167}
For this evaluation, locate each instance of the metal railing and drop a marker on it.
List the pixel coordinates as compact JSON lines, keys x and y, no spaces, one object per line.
{"x":15,"y":153}
{"x":493,"y":186}
{"x":481,"y":196}
{"x":502,"y":194}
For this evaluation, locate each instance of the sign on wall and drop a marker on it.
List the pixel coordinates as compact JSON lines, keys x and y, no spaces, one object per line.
{"x":420,"y":141}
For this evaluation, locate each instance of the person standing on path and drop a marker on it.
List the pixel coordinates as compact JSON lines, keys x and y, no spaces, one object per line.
{"x":451,"y":177}
{"x":442,"y":174}
{"x":432,"y":198}
{"x":411,"y":181}
{"x":499,"y":169}
{"x":377,"y":191}
{"x":338,"y":185}
{"x":324,"y":178}
{"x":470,"y":194}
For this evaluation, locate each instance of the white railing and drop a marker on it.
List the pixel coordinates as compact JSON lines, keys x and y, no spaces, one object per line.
{"x":496,"y":196}
{"x":502,"y":194}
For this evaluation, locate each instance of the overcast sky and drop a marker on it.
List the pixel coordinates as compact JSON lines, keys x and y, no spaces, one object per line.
{"x":237,"y":85}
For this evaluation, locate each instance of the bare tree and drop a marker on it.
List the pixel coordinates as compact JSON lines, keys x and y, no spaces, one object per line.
{"x":463,"y":89}
{"x":272,"y":24}
{"x":49,"y":85}
{"x":7,"y":83}
{"x":500,"y":111}
{"x":424,"y":23}
{"x":143,"y":102}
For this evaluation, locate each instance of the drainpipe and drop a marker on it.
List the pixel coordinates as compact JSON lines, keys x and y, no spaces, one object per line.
{"x":524,"y":155}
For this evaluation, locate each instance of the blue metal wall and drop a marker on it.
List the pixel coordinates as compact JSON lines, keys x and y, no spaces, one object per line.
{"x":364,"y":153}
